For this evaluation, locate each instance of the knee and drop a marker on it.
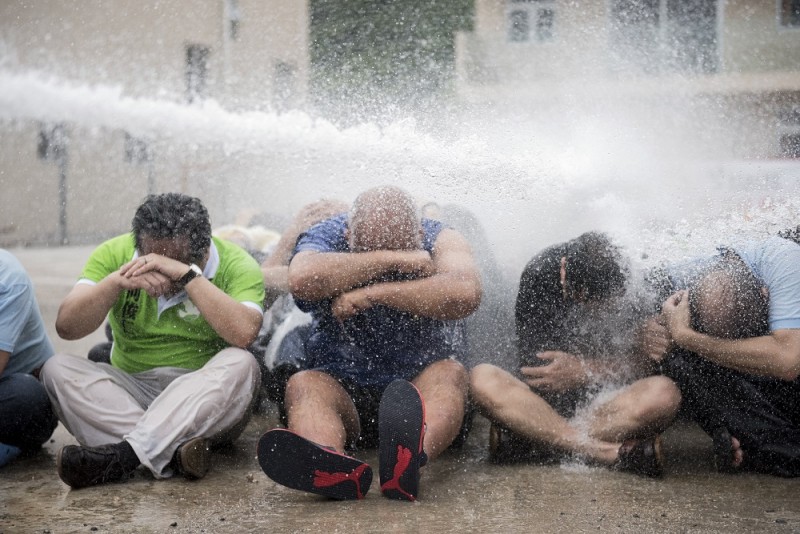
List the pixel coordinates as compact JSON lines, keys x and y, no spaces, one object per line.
{"x":241,"y":362}
{"x":484,"y":382}
{"x":453,"y":372}
{"x":29,"y":392}
{"x":663,"y":398}
{"x":53,"y":371}
{"x":300,"y":386}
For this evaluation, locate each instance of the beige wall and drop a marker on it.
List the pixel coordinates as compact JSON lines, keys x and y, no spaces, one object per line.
{"x":754,"y":40}
{"x":579,"y":40}
{"x":139,"y":46}
{"x":29,"y":205}
{"x":272,"y":32}
{"x":750,"y":38}
{"x":576,"y":72}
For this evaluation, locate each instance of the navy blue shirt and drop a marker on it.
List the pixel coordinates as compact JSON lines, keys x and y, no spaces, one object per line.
{"x":381,"y":343}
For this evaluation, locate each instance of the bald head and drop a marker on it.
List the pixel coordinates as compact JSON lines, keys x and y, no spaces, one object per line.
{"x":384,"y":218}
{"x":729,"y":302}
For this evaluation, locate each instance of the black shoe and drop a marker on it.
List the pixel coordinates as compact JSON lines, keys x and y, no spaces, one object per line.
{"x":641,"y":457}
{"x":80,"y":467}
{"x":505,"y":447}
{"x":298,"y":463}
{"x":193,"y":458}
{"x":401,"y":429}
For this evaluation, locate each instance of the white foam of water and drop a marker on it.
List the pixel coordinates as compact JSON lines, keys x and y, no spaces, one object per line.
{"x":532,"y":182}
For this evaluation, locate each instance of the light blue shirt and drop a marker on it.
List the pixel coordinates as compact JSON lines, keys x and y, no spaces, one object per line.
{"x":22,"y":332}
{"x":776,"y":262}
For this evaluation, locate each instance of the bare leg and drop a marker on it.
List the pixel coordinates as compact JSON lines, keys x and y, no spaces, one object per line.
{"x":444,"y":386}
{"x":319,"y":409}
{"x":641,"y":409}
{"x":506,"y":399}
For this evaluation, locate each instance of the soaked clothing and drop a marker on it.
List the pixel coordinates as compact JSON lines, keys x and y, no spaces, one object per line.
{"x":156,"y":410}
{"x":380,"y":344}
{"x":763,"y":413}
{"x":172,"y":378}
{"x":545,"y":320}
{"x":150,"y":332}
{"x":26,"y":417}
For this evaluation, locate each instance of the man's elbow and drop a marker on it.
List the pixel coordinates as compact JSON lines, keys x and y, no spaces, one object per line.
{"x":467,"y":301}
{"x":472,"y":299}
{"x":790,"y":374}
{"x":307,"y":285}
{"x":245,"y":337}
{"x":66,"y":331}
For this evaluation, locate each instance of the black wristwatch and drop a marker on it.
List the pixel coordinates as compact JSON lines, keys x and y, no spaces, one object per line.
{"x":193,"y":272}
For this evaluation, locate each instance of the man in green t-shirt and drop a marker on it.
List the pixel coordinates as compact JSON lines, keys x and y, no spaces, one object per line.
{"x":182,"y":307}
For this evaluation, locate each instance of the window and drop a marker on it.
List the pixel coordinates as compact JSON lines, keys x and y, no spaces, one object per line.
{"x":52,"y":142}
{"x":664,"y":35}
{"x":790,"y":145}
{"x":196,"y":72}
{"x":544,"y":24}
{"x":530,"y":19}
{"x":790,"y":13}
{"x":284,"y":83}
{"x":519,"y":28}
{"x":789,"y":140}
{"x":136,"y":150}
{"x":234,"y":16}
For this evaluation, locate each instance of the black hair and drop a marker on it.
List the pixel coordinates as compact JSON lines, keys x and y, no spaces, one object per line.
{"x":727,"y":300}
{"x":170,"y":215}
{"x":595,"y":267}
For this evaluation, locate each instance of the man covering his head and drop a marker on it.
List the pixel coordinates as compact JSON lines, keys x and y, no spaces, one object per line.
{"x":387,"y":291}
{"x":564,"y":292}
{"x":182,"y":307}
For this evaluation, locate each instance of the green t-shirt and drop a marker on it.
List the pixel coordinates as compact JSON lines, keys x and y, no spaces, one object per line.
{"x":180,"y":336}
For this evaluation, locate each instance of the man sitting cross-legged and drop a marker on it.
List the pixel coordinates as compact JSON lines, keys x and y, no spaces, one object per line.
{"x":182,"y":306}
{"x":562,"y":292}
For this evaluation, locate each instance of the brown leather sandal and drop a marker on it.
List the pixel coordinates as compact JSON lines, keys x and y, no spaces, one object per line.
{"x":642,"y":457}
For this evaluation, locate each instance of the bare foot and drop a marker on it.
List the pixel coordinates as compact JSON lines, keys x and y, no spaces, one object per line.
{"x":728,"y":453}
{"x":738,"y":454}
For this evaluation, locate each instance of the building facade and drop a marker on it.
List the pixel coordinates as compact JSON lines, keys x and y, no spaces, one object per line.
{"x":133,"y":58}
{"x":736,"y":63}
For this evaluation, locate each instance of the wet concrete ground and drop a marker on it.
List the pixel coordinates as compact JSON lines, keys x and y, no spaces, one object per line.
{"x":461,"y":491}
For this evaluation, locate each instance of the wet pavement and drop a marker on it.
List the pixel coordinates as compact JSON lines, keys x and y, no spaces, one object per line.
{"x":461,"y":491}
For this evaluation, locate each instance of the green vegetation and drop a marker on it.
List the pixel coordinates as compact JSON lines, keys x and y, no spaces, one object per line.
{"x":370,"y":56}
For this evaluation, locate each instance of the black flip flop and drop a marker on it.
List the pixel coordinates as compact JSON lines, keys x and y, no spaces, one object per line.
{"x":401,"y":429}
{"x":298,"y":463}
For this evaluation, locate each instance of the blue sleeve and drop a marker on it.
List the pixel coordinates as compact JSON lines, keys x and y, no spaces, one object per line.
{"x":329,"y":235}
{"x":15,"y":308}
{"x":431,"y":229}
{"x":780,"y":270}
